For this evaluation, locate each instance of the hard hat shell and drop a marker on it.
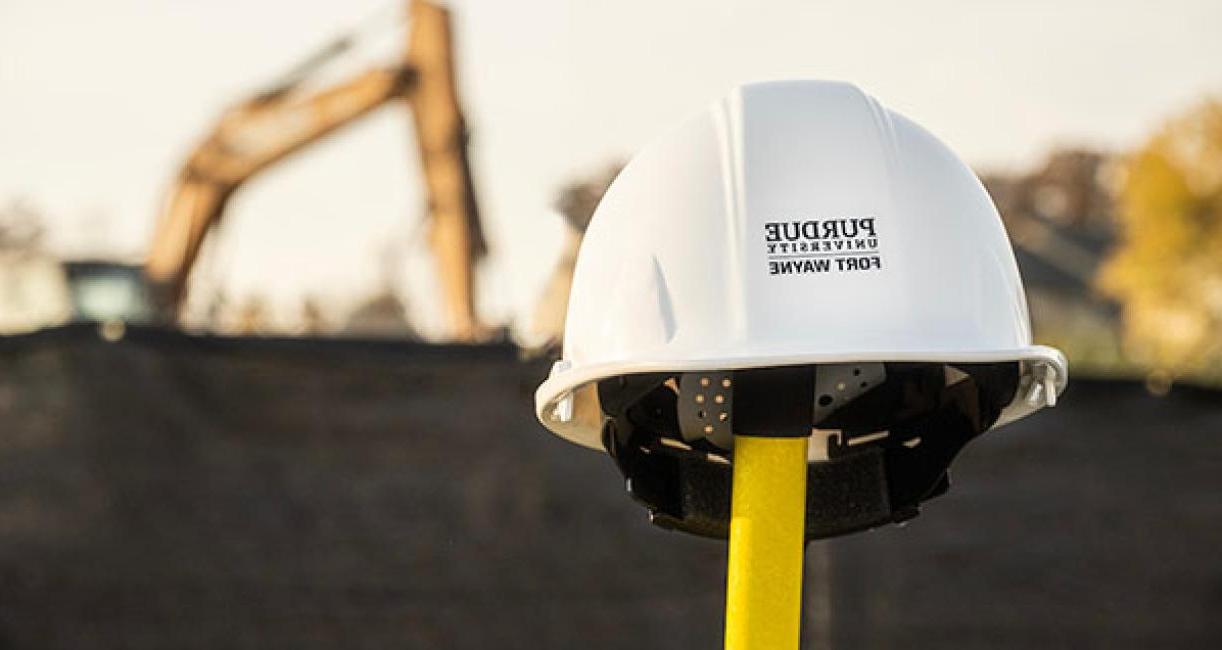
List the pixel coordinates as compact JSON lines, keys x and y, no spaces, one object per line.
{"x":792,"y":223}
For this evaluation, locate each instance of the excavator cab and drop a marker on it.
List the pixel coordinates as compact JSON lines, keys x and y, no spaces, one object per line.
{"x":106,"y":291}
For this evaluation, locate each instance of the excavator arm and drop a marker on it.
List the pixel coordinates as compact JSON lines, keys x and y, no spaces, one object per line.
{"x":262,"y":131}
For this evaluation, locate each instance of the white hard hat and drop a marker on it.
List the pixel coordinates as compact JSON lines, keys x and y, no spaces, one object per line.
{"x":793,"y":224}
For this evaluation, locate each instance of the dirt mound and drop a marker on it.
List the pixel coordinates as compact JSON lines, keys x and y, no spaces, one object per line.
{"x":177,"y":491}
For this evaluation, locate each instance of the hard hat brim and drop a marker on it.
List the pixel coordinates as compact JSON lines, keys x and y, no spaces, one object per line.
{"x":566,"y":403}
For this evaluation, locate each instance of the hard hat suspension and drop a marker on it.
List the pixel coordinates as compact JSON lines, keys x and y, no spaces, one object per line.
{"x":881,"y":449}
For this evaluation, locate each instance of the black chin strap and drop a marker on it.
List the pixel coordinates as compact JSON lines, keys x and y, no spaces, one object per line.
{"x":860,"y":487}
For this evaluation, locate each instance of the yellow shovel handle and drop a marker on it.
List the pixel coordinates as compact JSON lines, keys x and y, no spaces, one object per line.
{"x":767,"y":529}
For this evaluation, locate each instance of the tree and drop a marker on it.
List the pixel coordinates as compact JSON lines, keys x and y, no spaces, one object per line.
{"x":1167,"y":270}
{"x":1070,"y":188}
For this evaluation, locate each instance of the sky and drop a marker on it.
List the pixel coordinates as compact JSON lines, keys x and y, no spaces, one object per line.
{"x":101,"y":101}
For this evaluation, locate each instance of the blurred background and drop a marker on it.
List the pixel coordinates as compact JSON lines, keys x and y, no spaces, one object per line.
{"x":277,"y":281}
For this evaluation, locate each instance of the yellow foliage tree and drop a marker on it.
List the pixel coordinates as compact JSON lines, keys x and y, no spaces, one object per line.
{"x":1167,"y":270}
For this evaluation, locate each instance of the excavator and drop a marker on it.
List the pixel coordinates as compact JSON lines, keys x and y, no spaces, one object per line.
{"x":288,"y":117}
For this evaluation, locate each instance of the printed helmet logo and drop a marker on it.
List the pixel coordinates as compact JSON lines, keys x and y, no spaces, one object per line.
{"x":821,"y":246}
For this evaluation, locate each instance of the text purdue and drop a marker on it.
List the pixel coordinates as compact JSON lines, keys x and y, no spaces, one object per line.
{"x":777,"y":231}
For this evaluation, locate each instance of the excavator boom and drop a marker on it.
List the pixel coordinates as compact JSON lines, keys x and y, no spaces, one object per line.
{"x":264,"y":130}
